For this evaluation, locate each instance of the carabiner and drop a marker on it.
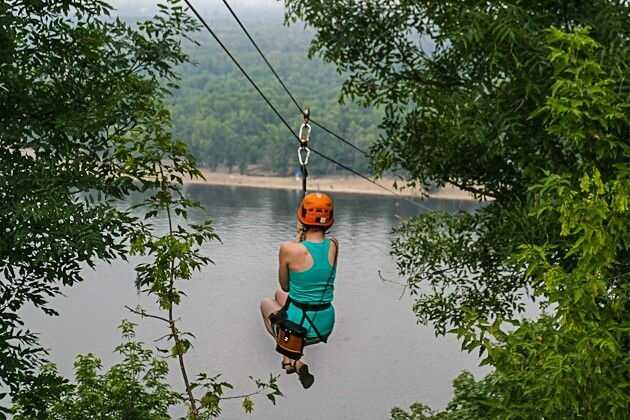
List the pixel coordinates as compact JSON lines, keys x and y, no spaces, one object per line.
{"x":305,"y":134}
{"x":303,"y":160}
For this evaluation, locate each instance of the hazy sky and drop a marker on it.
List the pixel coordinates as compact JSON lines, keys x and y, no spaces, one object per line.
{"x":142,"y":7}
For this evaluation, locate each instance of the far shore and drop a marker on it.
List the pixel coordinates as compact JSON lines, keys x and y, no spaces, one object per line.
{"x":351,"y":185}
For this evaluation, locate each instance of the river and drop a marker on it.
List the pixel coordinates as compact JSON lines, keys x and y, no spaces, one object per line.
{"x":377,"y":356}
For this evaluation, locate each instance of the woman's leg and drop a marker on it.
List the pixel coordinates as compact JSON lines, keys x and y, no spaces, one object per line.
{"x":269,"y":306}
{"x":281,"y":296}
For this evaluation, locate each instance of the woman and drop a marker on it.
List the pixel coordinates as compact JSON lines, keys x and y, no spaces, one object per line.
{"x":307,"y":269}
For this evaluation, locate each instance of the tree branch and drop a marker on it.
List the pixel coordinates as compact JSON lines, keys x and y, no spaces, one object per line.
{"x":194,"y":413}
{"x":145,"y":314}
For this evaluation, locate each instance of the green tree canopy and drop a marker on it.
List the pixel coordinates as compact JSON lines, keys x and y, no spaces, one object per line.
{"x":134,"y":389}
{"x":83,"y":123}
{"x":525,"y":104}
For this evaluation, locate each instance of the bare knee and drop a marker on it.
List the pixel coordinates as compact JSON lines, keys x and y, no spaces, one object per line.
{"x":280,"y":296}
{"x":265,"y":304}
{"x":269,"y":306}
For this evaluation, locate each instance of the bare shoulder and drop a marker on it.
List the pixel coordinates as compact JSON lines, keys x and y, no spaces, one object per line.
{"x":289,"y":248}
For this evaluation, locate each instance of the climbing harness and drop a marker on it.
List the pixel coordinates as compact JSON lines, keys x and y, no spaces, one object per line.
{"x":290,"y":336}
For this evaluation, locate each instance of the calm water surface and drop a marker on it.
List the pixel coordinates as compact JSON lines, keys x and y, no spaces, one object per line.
{"x":377,"y":357}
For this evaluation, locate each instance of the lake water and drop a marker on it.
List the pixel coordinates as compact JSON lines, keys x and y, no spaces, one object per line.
{"x":377,"y":356}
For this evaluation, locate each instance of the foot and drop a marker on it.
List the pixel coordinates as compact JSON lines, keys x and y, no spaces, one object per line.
{"x":306,"y":378}
{"x":288,"y":365}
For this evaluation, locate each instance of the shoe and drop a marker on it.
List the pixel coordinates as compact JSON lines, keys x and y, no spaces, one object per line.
{"x":306,"y":379}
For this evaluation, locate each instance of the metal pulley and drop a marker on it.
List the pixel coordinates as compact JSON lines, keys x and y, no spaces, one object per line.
{"x":305,"y":134}
{"x":305,"y":128}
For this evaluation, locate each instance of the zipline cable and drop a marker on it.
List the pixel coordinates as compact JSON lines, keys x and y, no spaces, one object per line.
{"x":332,"y":133}
{"x":284,"y":86}
{"x":236,"y":62}
{"x":264,"y":57}
{"x":284,"y":121}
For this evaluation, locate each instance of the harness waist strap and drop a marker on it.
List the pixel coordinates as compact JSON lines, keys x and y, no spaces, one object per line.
{"x":311,"y":306}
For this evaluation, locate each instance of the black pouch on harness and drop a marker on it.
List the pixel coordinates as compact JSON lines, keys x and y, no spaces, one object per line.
{"x":290,"y":337}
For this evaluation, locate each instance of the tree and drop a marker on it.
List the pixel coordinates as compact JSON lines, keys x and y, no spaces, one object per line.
{"x":471,"y":402}
{"x":76,"y":87}
{"x":84,"y":124}
{"x":136,"y":388}
{"x":573,"y":361}
{"x":524,"y":104}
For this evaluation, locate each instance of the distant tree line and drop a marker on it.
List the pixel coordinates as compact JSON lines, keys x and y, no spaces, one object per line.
{"x":227,"y":124}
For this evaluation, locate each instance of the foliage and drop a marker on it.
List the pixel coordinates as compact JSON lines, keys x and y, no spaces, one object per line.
{"x":470,"y":402}
{"x":82,"y":119}
{"x":84,"y":125}
{"x":175,"y":256}
{"x":456,"y":257}
{"x":135,"y":388}
{"x":524,"y":103}
{"x":574,"y":362}
{"x":227,"y":124}
{"x":416,"y":411}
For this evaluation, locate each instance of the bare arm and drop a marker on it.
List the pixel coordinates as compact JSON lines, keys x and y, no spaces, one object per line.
{"x":333,"y":252}
{"x":283,"y":267}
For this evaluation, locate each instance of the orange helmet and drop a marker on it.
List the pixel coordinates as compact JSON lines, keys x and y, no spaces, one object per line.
{"x":316,"y":210}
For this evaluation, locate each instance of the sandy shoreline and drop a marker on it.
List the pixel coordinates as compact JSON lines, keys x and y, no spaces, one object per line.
{"x":327,"y":184}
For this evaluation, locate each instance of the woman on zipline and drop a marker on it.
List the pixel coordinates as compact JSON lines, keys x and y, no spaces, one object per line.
{"x":306,"y":272}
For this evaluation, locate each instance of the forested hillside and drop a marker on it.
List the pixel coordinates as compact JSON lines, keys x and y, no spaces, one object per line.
{"x":227,"y":124}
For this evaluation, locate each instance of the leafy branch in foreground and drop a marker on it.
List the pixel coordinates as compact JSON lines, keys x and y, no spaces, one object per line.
{"x":84,"y":126}
{"x":134,"y":389}
{"x":573,"y":360}
{"x":470,"y":402}
{"x":176,"y":255}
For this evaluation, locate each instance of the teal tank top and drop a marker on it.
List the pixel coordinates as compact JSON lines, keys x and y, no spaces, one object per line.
{"x":310,"y":286}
